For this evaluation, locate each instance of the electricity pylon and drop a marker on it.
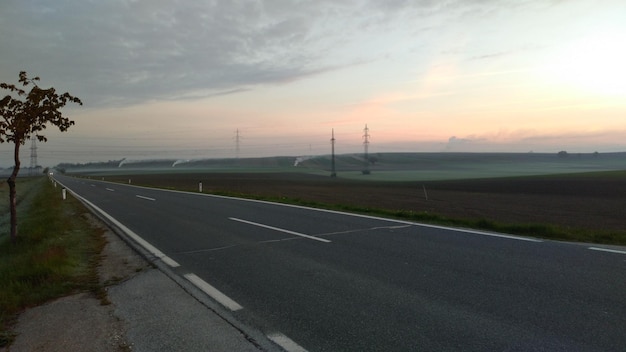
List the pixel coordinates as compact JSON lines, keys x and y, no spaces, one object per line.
{"x":237,"y":143}
{"x":366,"y":144}
{"x":332,"y":143}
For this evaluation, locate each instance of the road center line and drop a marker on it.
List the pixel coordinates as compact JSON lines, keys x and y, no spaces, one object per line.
{"x":213,"y":292}
{"x":146,"y":198}
{"x":281,"y":230}
{"x":286,"y":343}
{"x":607,"y":250}
{"x":208,"y":250}
{"x":110,"y":189}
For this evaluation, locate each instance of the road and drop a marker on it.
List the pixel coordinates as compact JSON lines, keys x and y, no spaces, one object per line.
{"x":326,"y":281}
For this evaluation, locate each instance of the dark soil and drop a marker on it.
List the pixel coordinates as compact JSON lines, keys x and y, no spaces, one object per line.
{"x":594,"y":201}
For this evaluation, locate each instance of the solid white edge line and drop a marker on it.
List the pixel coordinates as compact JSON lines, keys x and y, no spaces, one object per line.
{"x":147,"y":246}
{"x":286,"y":343}
{"x":281,"y":230}
{"x":213,"y":292}
{"x":607,"y":250}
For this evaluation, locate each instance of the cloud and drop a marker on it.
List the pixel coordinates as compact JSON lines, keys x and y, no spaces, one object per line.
{"x":123,"y":52}
{"x":602,"y":140}
{"x":490,"y":56}
{"x":458,"y":144}
{"x":129,"y":51}
{"x":120,"y":52}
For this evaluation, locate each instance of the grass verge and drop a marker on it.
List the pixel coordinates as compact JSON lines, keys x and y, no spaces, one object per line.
{"x":56,"y":254}
{"x":27,"y":188}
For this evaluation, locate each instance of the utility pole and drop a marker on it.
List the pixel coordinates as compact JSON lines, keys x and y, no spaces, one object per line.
{"x":366,"y":144}
{"x":33,"y":156}
{"x":332,"y":143}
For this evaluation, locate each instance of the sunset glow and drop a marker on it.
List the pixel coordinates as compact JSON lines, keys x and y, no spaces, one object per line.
{"x":594,"y":63}
{"x":503,"y":76}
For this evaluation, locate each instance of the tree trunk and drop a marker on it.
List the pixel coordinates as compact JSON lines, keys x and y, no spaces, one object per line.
{"x":12,"y":192}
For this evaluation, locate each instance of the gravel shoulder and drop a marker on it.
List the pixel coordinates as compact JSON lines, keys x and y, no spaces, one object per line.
{"x":82,"y":322}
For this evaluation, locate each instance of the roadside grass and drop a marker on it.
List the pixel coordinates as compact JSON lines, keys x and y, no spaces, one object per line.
{"x":27,"y":188}
{"x":56,"y":254}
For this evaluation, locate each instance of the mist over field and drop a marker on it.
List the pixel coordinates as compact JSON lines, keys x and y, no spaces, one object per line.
{"x":383,"y":166}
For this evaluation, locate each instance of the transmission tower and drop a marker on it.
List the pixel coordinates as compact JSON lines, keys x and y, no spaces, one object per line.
{"x":366,"y":144}
{"x":332,"y":143}
{"x":237,"y":142}
{"x":33,"y":156}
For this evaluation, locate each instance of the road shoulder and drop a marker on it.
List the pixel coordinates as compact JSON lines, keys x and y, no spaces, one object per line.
{"x":144,"y":310}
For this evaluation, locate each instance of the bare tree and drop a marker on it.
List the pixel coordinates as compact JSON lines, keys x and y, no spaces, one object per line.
{"x":24,"y":116}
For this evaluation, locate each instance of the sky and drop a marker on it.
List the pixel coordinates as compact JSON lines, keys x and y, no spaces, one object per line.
{"x":192,"y":79}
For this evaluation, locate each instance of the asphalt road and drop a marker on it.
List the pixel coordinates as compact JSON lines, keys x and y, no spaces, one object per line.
{"x":325,"y":281}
